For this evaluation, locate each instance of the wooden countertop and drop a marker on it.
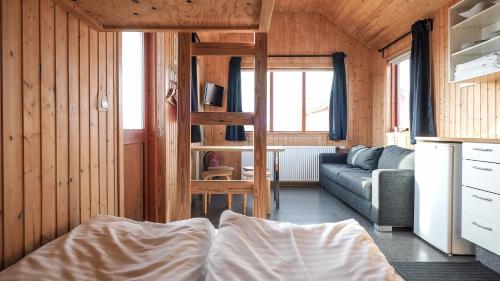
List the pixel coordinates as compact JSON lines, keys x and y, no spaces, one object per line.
{"x":438,"y":139}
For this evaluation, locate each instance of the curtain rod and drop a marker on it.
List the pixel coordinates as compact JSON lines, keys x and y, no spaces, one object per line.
{"x":429,"y":26}
{"x":299,"y":56}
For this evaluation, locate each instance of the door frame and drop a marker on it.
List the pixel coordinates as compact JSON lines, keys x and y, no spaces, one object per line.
{"x":151,"y":194}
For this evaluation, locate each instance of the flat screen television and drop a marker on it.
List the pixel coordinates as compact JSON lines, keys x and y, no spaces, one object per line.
{"x":213,"y":94}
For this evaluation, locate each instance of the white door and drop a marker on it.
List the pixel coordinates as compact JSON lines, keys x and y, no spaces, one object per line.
{"x":433,"y":193}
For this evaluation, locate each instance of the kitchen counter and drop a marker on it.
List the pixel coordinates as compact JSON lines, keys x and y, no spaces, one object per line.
{"x":450,"y":139}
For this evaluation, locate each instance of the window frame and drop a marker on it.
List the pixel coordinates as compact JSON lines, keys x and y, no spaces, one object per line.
{"x":304,"y":99}
{"x":393,"y":96}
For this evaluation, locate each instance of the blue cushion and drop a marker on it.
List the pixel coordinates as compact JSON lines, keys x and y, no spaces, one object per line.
{"x":395,"y":157}
{"x":364,"y":157}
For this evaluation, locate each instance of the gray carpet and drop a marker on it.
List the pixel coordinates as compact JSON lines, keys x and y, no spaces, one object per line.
{"x":445,"y":271}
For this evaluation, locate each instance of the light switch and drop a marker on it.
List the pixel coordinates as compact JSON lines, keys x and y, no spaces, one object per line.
{"x":103,"y":103}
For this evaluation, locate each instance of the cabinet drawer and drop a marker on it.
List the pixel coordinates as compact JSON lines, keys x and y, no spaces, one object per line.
{"x":481,"y":152}
{"x":482,"y":204}
{"x":481,"y":232}
{"x":481,"y":175}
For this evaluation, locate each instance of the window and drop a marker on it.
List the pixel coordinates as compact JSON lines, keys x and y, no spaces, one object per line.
{"x":248,"y":92}
{"x":400,"y":93}
{"x":298,"y":100}
{"x":318,"y":88}
{"x":132,"y":63}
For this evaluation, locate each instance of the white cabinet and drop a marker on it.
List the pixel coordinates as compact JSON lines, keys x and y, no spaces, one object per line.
{"x":481,"y":195}
{"x":438,"y":196}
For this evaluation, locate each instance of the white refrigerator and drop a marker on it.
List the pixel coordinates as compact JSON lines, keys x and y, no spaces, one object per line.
{"x":438,"y":187}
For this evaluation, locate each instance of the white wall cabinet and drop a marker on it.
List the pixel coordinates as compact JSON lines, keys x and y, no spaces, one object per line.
{"x":462,"y":30}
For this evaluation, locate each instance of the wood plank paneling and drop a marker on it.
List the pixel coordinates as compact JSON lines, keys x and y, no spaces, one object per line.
{"x":103,"y":169}
{"x":110,"y":164}
{"x":12,"y":135}
{"x":170,"y":117}
{"x":74,"y":121}
{"x":94,"y":125}
{"x":147,"y":15}
{"x":46,"y":125}
{"x":183,"y":191}
{"x":62,"y":121}
{"x":31,"y":126}
{"x":48,"y":113}
{"x":374,"y":23}
{"x":84,"y":123}
{"x":462,"y":110}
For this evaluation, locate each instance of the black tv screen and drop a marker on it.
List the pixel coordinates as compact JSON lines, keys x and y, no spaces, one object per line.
{"x":213,"y":94}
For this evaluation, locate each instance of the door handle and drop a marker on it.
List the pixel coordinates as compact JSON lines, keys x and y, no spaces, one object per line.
{"x":482,"y":169}
{"x":481,"y":226}
{"x":483,"y":149}
{"x":482,"y":198}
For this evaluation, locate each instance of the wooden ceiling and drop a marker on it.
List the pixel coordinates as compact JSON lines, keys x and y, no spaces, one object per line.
{"x":175,"y":15}
{"x":374,"y":23}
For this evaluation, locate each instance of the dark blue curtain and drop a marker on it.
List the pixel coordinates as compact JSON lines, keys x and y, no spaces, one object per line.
{"x":234,"y":101}
{"x":421,"y":104}
{"x":195,"y":129}
{"x":338,"y":99}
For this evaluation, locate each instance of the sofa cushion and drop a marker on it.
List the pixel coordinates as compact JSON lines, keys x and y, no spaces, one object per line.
{"x":332,"y":171}
{"x":358,"y":182}
{"x":395,"y":157}
{"x":364,"y":157}
{"x":353,"y":152}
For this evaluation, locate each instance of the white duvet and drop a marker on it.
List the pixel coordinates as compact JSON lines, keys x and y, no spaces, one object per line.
{"x":244,"y":248}
{"x":255,"y":249}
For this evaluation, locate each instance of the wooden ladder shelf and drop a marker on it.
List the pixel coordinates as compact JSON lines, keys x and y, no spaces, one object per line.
{"x":187,"y":187}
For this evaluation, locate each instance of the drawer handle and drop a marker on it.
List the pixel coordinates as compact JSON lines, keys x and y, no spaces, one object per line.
{"x":482,"y":198}
{"x":483,"y":149}
{"x":481,"y":226}
{"x":482,"y":169}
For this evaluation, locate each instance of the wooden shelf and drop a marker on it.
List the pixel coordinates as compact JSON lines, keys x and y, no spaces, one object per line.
{"x":480,"y":49}
{"x":484,"y":18}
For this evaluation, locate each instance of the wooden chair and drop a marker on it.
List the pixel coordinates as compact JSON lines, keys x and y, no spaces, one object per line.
{"x":224,"y":172}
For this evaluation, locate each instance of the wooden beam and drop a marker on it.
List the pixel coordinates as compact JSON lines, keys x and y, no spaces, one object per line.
{"x":222,"y":118}
{"x":183,"y":210}
{"x":222,"y":49}
{"x":73,"y":10}
{"x":121,"y":140}
{"x":221,"y":187}
{"x":260,"y":127}
{"x":170,"y":28}
{"x":266,"y":13}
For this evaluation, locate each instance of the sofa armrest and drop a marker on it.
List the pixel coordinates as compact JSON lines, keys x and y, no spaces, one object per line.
{"x":336,"y":158}
{"x":392,"y":197}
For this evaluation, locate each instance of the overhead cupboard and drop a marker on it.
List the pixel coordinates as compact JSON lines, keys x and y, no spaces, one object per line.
{"x":474,"y":39}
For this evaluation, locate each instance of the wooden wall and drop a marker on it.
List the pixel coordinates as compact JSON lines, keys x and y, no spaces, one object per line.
{"x":461,"y":111}
{"x":58,"y":152}
{"x":166,"y":67}
{"x":301,"y":33}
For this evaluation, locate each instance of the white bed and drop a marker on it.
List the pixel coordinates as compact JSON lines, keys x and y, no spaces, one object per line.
{"x":243,"y":248}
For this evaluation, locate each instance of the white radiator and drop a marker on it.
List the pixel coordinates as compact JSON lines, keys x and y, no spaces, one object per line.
{"x":297,"y":163}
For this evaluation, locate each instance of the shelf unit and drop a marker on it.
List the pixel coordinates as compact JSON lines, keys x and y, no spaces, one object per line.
{"x":477,"y":27}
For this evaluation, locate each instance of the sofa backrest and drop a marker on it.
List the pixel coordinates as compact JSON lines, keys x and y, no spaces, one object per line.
{"x":395,"y":157}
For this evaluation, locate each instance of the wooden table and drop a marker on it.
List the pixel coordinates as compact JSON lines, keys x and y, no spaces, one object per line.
{"x":276,"y":155}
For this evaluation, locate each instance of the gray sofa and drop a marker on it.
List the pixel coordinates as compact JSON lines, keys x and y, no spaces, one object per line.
{"x":377,"y":182}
